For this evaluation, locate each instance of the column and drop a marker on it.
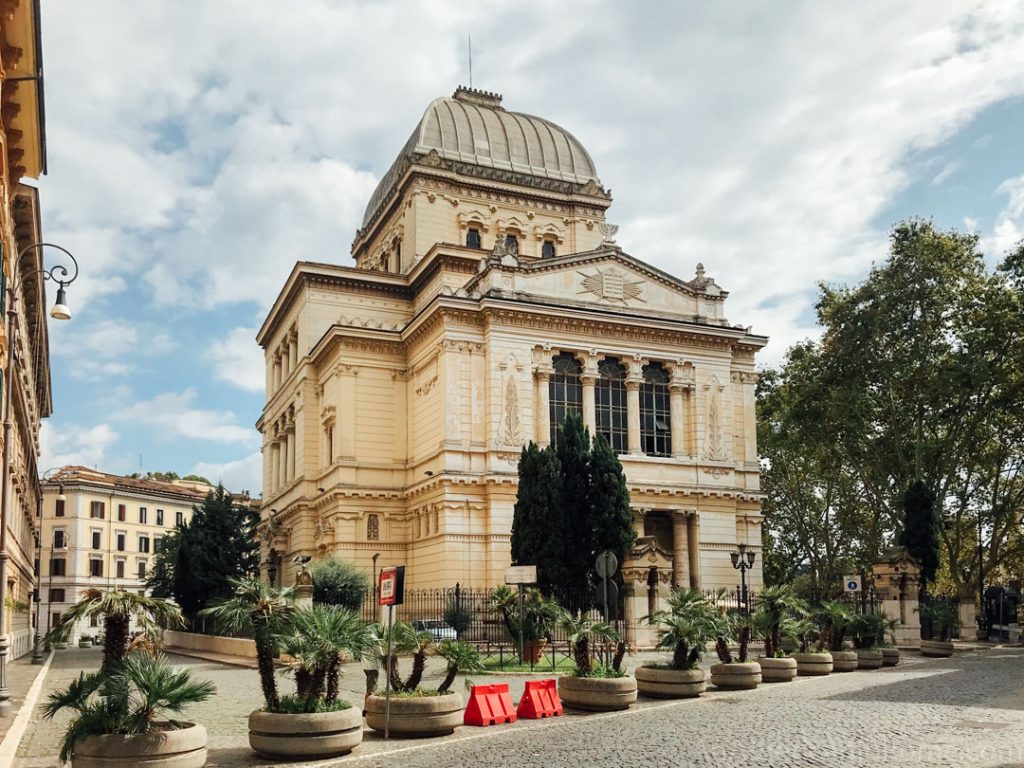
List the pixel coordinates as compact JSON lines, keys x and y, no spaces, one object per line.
{"x":293,"y":349}
{"x":345,"y":425}
{"x":633,"y":416}
{"x":690,"y":425}
{"x":693,"y":535}
{"x":291,"y":452}
{"x":282,"y":466}
{"x":543,"y":408}
{"x":676,"y":394}
{"x":680,"y":550}
{"x":271,"y":458}
{"x":589,"y":405}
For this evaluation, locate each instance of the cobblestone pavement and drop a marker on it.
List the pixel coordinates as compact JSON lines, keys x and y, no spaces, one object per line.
{"x":966,"y":711}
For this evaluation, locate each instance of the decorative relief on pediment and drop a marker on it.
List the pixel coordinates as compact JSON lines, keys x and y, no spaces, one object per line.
{"x":611,"y":285}
{"x":608,"y":232}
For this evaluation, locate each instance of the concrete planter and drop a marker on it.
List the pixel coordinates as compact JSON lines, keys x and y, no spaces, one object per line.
{"x":844,"y":661}
{"x":183,"y":748}
{"x":775,"y":670}
{"x":60,"y":646}
{"x":313,"y":736}
{"x":84,"y":642}
{"x":936,"y":648}
{"x":661,"y":683}
{"x":869,"y":658}
{"x":813,"y":664}
{"x":597,"y":694}
{"x":418,"y":716}
{"x":890,"y":657}
{"x":737,"y":675}
{"x":533,"y":651}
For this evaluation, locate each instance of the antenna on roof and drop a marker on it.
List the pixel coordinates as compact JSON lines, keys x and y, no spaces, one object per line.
{"x":469,"y":37}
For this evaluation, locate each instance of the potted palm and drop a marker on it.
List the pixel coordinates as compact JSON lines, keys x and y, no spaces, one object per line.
{"x":313,"y":723}
{"x":835,"y":620}
{"x":685,"y":630}
{"x":776,"y":620}
{"x":593,"y":686}
{"x":528,"y":622}
{"x":121,"y":716}
{"x":415,"y":710}
{"x":735,"y":671}
{"x":868,"y":631}
{"x":942,"y":620}
{"x":812,"y":657}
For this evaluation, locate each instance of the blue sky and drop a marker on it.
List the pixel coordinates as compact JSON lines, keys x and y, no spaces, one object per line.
{"x":198,"y":149}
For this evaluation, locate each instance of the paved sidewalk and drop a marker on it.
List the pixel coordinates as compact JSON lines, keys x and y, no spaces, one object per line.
{"x":21,"y":673}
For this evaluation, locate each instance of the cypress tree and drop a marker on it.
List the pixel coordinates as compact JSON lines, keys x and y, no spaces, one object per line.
{"x":537,"y":525}
{"x":573,"y":450}
{"x":920,"y":534}
{"x":611,"y":517}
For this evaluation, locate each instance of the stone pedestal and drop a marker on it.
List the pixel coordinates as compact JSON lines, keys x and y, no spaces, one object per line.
{"x":968,"y":615}
{"x":303,"y":589}
{"x":896,"y":580}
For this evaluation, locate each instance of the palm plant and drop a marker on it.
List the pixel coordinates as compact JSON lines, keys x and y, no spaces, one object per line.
{"x":777,"y":607}
{"x":118,"y":609}
{"x":461,"y":657}
{"x":128,"y":698}
{"x":740,"y":629}
{"x":939,"y":617}
{"x":263,"y":609}
{"x":318,"y":640}
{"x":581,"y":630}
{"x":687,"y":627}
{"x":531,"y":621}
{"x":834,"y":620}
{"x":868,"y":630}
{"x":403,"y":639}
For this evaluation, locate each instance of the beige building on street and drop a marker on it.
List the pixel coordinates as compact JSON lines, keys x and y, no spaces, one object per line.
{"x":104,"y":533}
{"x":488,"y":298}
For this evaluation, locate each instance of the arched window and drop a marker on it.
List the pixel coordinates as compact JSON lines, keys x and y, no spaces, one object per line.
{"x":512,"y":243}
{"x":547,"y":250}
{"x":655,"y":419}
{"x":565,"y":389}
{"x":473,"y":238}
{"x":610,"y":401}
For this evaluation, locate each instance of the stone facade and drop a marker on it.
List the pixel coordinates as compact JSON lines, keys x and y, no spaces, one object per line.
{"x":488,"y":296}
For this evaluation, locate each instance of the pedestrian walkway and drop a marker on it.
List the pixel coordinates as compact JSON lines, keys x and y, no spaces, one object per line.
{"x":21,"y":673}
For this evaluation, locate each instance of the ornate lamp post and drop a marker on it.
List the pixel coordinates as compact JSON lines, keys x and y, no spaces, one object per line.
{"x":60,"y":275}
{"x":741,"y":561}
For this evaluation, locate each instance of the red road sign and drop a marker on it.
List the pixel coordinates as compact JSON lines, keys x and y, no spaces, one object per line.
{"x":392,"y":585}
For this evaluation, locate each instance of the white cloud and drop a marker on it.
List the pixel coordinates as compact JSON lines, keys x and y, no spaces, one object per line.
{"x":1008,"y":229}
{"x":101,"y":350}
{"x":947,"y":170}
{"x":173,"y":416}
{"x":238,"y":359}
{"x":242,"y":475}
{"x":74,"y":444}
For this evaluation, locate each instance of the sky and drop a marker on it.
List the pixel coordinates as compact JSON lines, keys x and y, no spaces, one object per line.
{"x":198,"y":148}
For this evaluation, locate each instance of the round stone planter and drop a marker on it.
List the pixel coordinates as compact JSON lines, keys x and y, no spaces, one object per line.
{"x":936,"y":648}
{"x":775,"y":670}
{"x":419,"y":716}
{"x":844,"y":661}
{"x":662,"y":683}
{"x":813,"y":664}
{"x":60,"y":646}
{"x":869,"y":658}
{"x":890,"y":657}
{"x":597,"y":694}
{"x":85,"y":643}
{"x":737,"y":675}
{"x":313,"y":736}
{"x":183,"y":748}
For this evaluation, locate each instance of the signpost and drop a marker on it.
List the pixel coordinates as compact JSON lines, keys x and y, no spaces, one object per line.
{"x":851,"y":583}
{"x":608,"y":593}
{"x":520,"y":575}
{"x":390,"y":592}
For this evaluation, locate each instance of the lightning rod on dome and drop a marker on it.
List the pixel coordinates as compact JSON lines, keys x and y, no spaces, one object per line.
{"x":469,"y":38}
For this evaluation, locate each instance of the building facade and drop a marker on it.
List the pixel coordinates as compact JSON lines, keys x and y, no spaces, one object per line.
{"x":22,"y":156}
{"x":104,"y":531}
{"x":487,"y":299}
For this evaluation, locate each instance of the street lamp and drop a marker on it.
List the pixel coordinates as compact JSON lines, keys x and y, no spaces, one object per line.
{"x":37,"y":650}
{"x":60,"y":275}
{"x":741,"y":561}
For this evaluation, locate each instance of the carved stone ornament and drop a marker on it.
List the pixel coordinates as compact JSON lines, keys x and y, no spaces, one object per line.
{"x":608,"y":232}
{"x":715,"y":448}
{"x":511,"y":434}
{"x":611,"y":285}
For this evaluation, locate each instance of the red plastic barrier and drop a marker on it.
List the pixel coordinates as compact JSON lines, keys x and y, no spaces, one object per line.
{"x":489,"y":705}
{"x":540,"y":699}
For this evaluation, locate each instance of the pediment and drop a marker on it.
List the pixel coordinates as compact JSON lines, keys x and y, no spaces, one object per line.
{"x":609,"y":279}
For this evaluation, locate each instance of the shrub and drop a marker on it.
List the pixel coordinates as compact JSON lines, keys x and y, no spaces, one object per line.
{"x":336,"y":582}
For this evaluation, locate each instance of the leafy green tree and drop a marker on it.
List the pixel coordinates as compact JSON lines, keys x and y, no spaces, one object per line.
{"x":200,"y":558}
{"x":537,"y":525}
{"x":336,"y":582}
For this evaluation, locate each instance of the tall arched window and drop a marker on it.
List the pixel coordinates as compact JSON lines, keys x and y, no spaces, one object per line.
{"x":565,"y":389}
{"x":473,"y":237}
{"x":655,"y":418}
{"x":610,"y":401}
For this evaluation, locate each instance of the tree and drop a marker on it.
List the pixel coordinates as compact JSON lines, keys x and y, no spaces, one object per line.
{"x":611,"y":518}
{"x":920,"y":533}
{"x":336,"y":582}
{"x":573,"y":450}
{"x":200,"y":558}
{"x":537,"y":526}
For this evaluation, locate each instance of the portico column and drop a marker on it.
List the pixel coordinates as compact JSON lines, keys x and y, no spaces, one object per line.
{"x":589,"y":406}
{"x":293,"y":350}
{"x":282,"y":452}
{"x":633,"y":416}
{"x":675,"y":403}
{"x":272,"y":464}
{"x":680,"y":550}
{"x":543,"y":403}
{"x":291,"y":453}
{"x":693,"y":536}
